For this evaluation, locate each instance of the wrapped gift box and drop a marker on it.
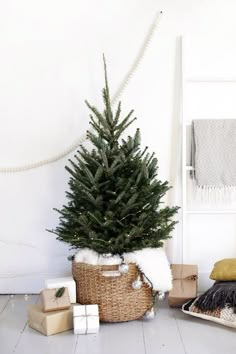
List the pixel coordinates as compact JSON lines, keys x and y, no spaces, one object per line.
{"x":50,"y":322}
{"x":86,"y":319}
{"x":55,"y":299}
{"x":67,"y":282}
{"x":184,"y":284}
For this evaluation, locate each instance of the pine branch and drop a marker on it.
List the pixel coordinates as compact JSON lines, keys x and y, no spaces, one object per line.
{"x":106,"y":93}
{"x":100,"y":117}
{"x":117,"y":115}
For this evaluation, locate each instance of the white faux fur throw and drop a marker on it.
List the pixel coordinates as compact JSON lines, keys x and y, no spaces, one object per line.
{"x":151,"y":261}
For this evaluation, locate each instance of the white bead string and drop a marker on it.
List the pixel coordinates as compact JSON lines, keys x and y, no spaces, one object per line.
{"x":114,"y":99}
{"x":138,"y":58}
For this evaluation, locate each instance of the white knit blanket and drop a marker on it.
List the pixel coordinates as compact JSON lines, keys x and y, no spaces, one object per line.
{"x":214,"y":153}
{"x":151,"y":261}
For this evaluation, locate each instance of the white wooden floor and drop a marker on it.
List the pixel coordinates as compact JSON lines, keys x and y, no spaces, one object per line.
{"x":171,"y":332}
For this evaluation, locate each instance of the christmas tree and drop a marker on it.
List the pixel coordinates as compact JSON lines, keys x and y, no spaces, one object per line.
{"x":115,"y":195}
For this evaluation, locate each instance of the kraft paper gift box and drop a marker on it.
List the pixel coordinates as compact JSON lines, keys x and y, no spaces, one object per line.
{"x":86,"y":319}
{"x":50,"y":322}
{"x":184,"y":284}
{"x":52,"y":302}
{"x":67,"y":282}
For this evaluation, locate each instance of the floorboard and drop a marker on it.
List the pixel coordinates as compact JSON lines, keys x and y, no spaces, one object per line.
{"x":113,"y":338}
{"x":13,"y":320}
{"x":201,"y":336}
{"x":33,"y":342}
{"x":170,"y":332}
{"x":161,"y":335}
{"x":3,"y":301}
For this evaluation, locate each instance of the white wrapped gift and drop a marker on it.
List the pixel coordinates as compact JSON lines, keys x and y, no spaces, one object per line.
{"x":67,"y":282}
{"x":86,"y":319}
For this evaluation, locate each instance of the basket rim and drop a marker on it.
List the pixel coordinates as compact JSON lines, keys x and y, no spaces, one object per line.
{"x":101,"y":266}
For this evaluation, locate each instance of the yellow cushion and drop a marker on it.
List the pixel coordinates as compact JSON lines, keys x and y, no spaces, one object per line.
{"x":224,"y":269}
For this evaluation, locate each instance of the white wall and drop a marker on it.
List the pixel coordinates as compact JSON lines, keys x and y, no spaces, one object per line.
{"x":51,"y":60}
{"x":209,"y":92}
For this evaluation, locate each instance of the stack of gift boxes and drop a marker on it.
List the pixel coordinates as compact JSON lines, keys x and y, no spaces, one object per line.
{"x":58,"y":311}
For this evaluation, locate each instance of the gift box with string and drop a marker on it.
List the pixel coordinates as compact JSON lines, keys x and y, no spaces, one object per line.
{"x":85,"y":319}
{"x":67,"y":282}
{"x":51,"y":322}
{"x":55,"y":299}
{"x":184,"y":284}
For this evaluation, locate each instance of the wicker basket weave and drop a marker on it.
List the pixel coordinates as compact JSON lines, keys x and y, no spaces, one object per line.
{"x":117,"y":300}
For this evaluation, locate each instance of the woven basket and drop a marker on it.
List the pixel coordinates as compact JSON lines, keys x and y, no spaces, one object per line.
{"x":117,"y":300}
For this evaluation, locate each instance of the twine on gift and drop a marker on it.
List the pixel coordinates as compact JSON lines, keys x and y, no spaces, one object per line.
{"x":191,"y":277}
{"x":86,"y":315}
{"x":59,"y":295}
{"x":41,"y":324}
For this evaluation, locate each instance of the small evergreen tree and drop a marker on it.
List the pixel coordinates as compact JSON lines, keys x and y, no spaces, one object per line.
{"x":115,"y":196}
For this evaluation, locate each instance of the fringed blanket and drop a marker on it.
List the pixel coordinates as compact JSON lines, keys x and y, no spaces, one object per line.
{"x":214,"y":155}
{"x":219,"y":296}
{"x":218,"y":304}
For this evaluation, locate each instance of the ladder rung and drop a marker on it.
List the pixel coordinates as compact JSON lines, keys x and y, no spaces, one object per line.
{"x":219,"y":211}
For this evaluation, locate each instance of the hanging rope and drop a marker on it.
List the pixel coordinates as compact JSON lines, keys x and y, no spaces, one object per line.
{"x":114,"y":99}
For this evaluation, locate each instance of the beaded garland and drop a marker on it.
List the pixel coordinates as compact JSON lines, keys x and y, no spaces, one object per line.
{"x":121,"y":88}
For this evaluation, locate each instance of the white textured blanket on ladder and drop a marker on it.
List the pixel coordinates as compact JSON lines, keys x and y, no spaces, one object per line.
{"x":214,"y":157}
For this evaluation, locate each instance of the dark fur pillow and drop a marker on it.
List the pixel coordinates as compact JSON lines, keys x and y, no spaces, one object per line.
{"x":218,"y":304}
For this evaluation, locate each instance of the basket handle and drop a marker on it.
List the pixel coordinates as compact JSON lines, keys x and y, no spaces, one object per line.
{"x":110,"y":273}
